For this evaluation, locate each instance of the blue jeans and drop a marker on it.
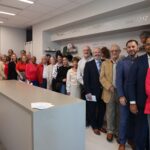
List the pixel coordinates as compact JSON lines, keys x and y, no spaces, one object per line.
{"x":35,"y":83}
{"x":126,"y":124}
{"x":44,"y":84}
{"x":63,"y":89}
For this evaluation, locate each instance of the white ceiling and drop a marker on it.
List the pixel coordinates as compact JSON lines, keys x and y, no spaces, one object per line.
{"x":29,"y":14}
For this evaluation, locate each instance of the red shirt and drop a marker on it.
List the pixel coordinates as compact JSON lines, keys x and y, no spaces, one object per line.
{"x":6,"y":70}
{"x":147,"y":88}
{"x":21,"y":66}
{"x":31,"y":72}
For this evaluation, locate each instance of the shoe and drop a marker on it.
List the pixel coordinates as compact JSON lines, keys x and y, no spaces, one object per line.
{"x":96,"y":131}
{"x":131,"y":143}
{"x":109,"y":137}
{"x":103,"y":130}
{"x":121,"y":147}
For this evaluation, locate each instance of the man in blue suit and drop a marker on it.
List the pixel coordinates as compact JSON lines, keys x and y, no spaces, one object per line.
{"x":126,"y":122}
{"x":95,"y":110}
{"x":137,"y":98}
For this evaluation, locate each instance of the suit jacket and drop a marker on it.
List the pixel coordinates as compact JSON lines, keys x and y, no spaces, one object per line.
{"x":91,"y":79}
{"x":147,"y":88}
{"x":136,"y":81}
{"x":122,"y":73}
{"x":106,"y":79}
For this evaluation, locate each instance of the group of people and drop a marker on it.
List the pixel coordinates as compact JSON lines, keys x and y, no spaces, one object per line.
{"x":116,"y":89}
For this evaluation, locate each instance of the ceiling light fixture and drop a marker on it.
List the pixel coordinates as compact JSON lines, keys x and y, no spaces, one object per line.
{"x":7,"y":13}
{"x":27,"y":1}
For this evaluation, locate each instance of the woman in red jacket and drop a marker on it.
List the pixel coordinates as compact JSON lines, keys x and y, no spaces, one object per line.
{"x":31,"y":71}
{"x":21,"y":67}
{"x":147,"y":106}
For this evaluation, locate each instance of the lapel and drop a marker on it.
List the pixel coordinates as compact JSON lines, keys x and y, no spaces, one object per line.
{"x":145,"y":62}
{"x":95,"y":66}
{"x":110,"y":69}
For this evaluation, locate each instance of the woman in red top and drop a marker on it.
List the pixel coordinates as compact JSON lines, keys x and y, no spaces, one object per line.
{"x":21,"y":67}
{"x":31,"y":71}
{"x":5,"y":60}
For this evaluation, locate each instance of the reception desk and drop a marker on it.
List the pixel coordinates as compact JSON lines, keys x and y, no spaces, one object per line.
{"x":61,"y":127}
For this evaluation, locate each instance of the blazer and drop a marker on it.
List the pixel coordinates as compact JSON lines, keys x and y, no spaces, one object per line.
{"x":122,"y":73}
{"x":91,"y":79}
{"x":147,"y":88}
{"x":136,"y":82}
{"x":106,"y":79}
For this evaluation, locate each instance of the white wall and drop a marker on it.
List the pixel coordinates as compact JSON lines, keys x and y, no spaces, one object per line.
{"x":96,"y":17}
{"x":12,"y":38}
{"x":104,"y":40}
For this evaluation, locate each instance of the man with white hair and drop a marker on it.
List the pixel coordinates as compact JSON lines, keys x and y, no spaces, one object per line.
{"x":93,"y":89}
{"x":109,"y":95}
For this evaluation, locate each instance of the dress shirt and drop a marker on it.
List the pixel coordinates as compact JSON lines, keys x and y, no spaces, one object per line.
{"x":80,"y":70}
{"x":45,"y":71}
{"x":114,"y":72}
{"x":55,"y":70}
{"x":148,"y":60}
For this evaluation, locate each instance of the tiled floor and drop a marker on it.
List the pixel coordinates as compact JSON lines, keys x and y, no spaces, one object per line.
{"x":95,"y":142}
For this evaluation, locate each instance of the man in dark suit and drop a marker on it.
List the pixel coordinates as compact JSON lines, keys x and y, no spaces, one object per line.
{"x":95,"y":110}
{"x":137,"y":98}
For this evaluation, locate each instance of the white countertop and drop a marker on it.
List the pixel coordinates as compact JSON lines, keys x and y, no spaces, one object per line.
{"x":24,"y":94}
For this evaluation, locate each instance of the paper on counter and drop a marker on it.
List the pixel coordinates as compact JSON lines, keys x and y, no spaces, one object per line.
{"x":41,"y":105}
{"x":93,"y":98}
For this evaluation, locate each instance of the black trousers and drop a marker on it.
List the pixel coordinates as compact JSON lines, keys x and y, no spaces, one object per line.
{"x":141,"y":131}
{"x":95,"y":112}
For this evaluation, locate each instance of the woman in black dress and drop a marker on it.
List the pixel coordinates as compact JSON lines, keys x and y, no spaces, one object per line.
{"x":12,"y":74}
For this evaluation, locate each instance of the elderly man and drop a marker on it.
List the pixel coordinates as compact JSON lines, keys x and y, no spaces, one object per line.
{"x":109,"y":95}
{"x":80,"y":72}
{"x":93,"y":90}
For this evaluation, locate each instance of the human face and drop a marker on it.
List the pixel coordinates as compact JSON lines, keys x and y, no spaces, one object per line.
{"x":44,"y":60}
{"x":33,"y":59}
{"x":65,"y":61}
{"x":52,"y":61}
{"x":75,"y":64}
{"x":97,"y":53}
{"x":132,"y":48}
{"x":147,"y":46}
{"x":14,"y":58}
{"x":10,"y":52}
{"x":143,"y":39}
{"x":115,"y":52}
{"x":59,"y":59}
{"x":86,"y":52}
{"x":24,"y":59}
{"x":4,"y":59}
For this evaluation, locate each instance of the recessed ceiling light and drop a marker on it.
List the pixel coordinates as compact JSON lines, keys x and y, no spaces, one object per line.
{"x":1,"y":22}
{"x":27,"y":1}
{"x":7,"y":13}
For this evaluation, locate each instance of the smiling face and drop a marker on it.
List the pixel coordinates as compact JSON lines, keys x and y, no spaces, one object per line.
{"x":65,"y":61}
{"x":115,"y":52}
{"x":97,"y":53}
{"x":132,"y":48}
{"x":86,"y":52}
